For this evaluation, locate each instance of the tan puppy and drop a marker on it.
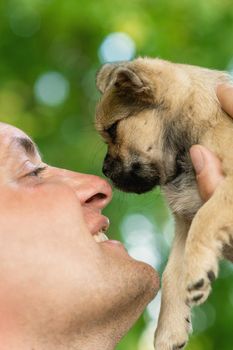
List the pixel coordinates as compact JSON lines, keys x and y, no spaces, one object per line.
{"x":151,"y":113}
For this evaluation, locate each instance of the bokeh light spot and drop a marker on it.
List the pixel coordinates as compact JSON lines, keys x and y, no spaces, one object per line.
{"x":147,"y":337}
{"x":24,"y":24}
{"x":152,"y":311}
{"x":140,"y":239}
{"x":203,"y":317}
{"x":51,"y":89}
{"x":153,"y":308}
{"x":117,"y":47}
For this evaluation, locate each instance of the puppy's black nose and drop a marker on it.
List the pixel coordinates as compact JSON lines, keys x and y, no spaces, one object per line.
{"x":107,"y":166}
{"x":105,"y":170}
{"x":136,"y":167}
{"x":112,"y":167}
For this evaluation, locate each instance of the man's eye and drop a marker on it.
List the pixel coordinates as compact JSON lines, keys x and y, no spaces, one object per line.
{"x":36,"y":172}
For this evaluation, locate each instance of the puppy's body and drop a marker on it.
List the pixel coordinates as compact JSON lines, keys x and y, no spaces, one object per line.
{"x":150,"y":114}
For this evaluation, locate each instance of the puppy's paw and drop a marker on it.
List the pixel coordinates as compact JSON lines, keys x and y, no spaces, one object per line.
{"x":173,"y":339}
{"x":198,"y":278}
{"x":173,"y":342}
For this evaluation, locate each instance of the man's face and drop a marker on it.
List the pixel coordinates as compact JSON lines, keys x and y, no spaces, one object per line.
{"x":62,"y":284}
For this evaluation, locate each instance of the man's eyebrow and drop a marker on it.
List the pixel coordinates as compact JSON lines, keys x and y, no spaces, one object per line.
{"x":28,"y":146}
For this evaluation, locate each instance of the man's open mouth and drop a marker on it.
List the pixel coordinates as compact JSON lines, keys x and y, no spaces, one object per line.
{"x":100,"y":236}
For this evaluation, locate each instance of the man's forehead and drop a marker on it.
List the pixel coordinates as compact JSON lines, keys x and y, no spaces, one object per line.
{"x":7,"y":130}
{"x":11,"y":136}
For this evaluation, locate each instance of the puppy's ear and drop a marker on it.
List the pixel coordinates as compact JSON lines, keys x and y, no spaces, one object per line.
{"x":129,"y":84}
{"x":104,"y":76}
{"x":126,"y":82}
{"x":127,"y":79}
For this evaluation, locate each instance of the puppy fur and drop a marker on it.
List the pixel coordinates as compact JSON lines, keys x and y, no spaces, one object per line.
{"x":151,"y":112}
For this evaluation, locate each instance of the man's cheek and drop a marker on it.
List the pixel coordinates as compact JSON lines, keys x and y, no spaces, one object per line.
{"x":11,"y":311}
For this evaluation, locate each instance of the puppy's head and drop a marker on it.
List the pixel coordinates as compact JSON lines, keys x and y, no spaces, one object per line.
{"x":146,"y":117}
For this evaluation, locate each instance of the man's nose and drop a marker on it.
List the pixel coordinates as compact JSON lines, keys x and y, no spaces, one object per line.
{"x":91,"y":190}
{"x":94,"y":191}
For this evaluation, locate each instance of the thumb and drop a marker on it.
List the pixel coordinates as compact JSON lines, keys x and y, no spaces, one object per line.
{"x":208,"y":170}
{"x":225,"y":96}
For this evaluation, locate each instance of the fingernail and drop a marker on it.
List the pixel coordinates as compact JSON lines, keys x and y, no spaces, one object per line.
{"x":197,"y":159}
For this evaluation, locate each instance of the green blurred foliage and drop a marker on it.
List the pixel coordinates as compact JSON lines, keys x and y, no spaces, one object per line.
{"x":37,"y":36}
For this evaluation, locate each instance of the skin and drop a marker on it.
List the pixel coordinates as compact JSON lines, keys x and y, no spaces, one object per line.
{"x":207,"y":165}
{"x":60,"y":289}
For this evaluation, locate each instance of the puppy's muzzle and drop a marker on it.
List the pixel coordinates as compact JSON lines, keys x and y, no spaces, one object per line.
{"x":135,"y":177}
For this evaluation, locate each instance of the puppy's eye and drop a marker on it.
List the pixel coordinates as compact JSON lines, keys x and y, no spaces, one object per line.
{"x":112,"y":131}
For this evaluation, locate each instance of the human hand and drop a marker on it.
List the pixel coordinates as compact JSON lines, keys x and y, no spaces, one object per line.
{"x":207,"y":166}
{"x":208,"y":170}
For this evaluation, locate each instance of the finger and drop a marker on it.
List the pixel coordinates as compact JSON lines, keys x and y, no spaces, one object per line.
{"x":225,"y":96}
{"x":208,"y":170}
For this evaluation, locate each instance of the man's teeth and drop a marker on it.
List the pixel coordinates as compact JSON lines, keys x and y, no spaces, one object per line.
{"x":100,"y":237}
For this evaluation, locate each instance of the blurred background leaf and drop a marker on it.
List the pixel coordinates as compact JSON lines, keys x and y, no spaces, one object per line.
{"x":50,"y":51}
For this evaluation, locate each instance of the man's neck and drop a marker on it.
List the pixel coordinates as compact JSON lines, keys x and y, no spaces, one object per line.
{"x":81,"y":342}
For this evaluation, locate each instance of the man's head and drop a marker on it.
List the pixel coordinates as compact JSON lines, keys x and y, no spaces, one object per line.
{"x":61,"y":288}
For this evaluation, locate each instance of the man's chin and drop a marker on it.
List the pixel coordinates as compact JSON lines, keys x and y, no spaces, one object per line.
{"x":146,"y":281}
{"x":144,"y":272}
{"x":142,"y":289}
{"x":151,"y":279}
